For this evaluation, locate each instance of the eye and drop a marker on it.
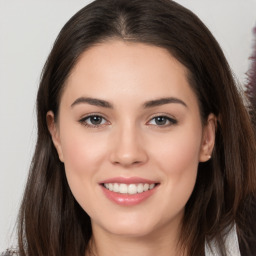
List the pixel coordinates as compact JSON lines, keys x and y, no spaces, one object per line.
{"x":93,"y":121}
{"x":162,"y":121}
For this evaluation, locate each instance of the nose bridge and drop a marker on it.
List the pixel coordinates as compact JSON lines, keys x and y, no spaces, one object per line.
{"x":128,"y":148}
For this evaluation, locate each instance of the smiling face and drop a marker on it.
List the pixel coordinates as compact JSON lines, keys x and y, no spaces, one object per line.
{"x":130,"y":122}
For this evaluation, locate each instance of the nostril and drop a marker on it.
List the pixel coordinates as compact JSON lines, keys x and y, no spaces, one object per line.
{"x":137,"y":162}
{"x":127,"y":163}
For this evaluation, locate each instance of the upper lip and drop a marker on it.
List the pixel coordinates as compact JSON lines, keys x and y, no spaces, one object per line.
{"x":128,"y":180}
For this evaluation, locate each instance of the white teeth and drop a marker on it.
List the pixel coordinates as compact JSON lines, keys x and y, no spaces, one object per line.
{"x":132,"y":189}
{"x":128,"y":188}
{"x":146,"y":187}
{"x":151,"y":186}
{"x":123,"y":188}
{"x":115,"y":187}
{"x":140,"y":188}
{"x":110,"y":187}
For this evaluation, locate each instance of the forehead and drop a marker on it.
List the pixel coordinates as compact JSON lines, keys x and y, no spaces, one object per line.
{"x":128,"y":69}
{"x":127,"y":55}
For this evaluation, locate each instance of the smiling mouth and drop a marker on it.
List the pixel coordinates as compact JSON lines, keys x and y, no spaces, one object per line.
{"x":129,"y":189}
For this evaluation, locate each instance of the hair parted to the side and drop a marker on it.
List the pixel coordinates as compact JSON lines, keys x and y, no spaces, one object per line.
{"x":51,"y":222}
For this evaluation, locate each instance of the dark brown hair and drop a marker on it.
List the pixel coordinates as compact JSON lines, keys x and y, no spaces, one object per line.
{"x":51,"y":222}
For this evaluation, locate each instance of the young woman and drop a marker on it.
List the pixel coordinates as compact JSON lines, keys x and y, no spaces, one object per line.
{"x":144,"y":145}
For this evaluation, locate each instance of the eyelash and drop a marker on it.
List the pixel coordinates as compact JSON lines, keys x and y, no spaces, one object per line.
{"x":84,"y":121}
{"x":171,"y":121}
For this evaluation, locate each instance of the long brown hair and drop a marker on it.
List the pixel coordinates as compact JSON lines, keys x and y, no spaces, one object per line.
{"x":51,"y":222}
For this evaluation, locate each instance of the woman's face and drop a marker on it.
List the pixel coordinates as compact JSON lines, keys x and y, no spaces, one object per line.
{"x":129,"y":122}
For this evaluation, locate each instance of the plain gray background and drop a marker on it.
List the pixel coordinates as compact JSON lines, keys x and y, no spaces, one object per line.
{"x":28,"y":29}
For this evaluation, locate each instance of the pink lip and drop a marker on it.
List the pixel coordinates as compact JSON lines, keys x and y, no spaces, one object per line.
{"x":128,"y":180}
{"x":127,"y":199}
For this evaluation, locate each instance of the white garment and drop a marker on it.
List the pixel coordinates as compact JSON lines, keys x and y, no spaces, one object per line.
{"x":231,"y":244}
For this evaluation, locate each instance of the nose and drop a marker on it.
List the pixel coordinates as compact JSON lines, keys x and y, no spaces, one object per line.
{"x":128,"y":148}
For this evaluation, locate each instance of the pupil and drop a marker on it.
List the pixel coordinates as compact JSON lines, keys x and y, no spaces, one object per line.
{"x":160,"y":120}
{"x":96,"y":120}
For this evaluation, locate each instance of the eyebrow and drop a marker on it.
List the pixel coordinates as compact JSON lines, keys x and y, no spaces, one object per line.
{"x":106,"y":104}
{"x":92,"y":101}
{"x":163,"y":101}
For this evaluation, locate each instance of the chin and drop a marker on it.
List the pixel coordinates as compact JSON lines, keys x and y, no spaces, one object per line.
{"x":130,"y":227}
{"x":131,"y":231}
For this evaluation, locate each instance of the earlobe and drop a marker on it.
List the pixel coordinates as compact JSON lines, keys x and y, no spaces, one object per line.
{"x":208,"y":139}
{"x":53,"y":129}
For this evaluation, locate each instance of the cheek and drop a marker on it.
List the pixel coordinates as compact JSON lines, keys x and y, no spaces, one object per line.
{"x":178,"y":159}
{"x":83,"y":155}
{"x":179,"y":152}
{"x":82,"y":152}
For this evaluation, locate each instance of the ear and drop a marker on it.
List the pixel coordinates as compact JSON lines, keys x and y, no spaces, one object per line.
{"x":53,"y":129}
{"x":208,"y":139}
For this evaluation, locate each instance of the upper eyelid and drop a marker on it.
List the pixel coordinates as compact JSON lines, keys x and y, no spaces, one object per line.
{"x":93,"y":114}
{"x":172,"y":120}
{"x":88,"y":117}
{"x":162,"y":115}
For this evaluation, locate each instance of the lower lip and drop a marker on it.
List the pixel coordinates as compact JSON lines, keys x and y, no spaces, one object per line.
{"x":128,"y":199}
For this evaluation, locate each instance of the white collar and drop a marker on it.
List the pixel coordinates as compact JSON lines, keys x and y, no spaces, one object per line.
{"x":231,"y":244}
